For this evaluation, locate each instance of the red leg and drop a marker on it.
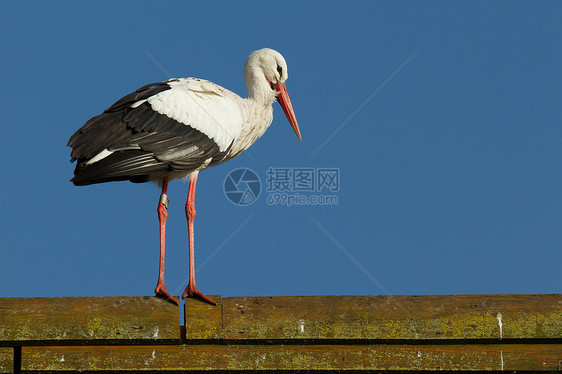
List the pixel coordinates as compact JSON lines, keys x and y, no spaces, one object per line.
{"x":191,"y":289}
{"x":162,"y":216}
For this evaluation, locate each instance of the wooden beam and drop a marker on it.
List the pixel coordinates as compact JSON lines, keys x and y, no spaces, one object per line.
{"x":88,"y":320}
{"x":203,"y":321}
{"x":468,"y":333}
{"x":404,"y":318}
{"x":496,"y":357}
{"x":6,"y":360}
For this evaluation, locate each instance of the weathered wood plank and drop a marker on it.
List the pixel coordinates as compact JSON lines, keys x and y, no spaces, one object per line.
{"x":393,"y":317}
{"x":203,"y":321}
{"x":88,"y":320}
{"x":509,"y":357}
{"x":6,"y":360}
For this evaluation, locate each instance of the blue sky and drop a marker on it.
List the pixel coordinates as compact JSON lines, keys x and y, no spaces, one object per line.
{"x":442,"y":118}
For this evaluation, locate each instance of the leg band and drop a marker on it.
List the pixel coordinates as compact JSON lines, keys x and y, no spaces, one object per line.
{"x":164,"y":200}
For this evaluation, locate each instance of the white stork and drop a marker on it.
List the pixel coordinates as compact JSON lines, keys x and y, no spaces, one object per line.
{"x":175,"y":129}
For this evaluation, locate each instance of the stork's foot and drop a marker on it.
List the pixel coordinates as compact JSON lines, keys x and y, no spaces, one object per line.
{"x":163,"y":294}
{"x":192,"y":291}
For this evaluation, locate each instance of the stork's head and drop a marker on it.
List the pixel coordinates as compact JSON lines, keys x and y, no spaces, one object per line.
{"x":265,"y":73}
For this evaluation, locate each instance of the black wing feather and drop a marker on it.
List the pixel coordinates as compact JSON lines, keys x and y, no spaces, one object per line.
{"x":143,"y":141}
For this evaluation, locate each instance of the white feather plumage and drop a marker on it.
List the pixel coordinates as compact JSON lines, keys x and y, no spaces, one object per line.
{"x":203,"y":106}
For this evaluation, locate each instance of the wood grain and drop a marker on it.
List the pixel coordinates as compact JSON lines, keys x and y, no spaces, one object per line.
{"x":6,"y":360}
{"x":468,"y":333}
{"x":436,"y":317}
{"x":509,"y":357}
{"x":88,"y":320}
{"x":203,"y":321}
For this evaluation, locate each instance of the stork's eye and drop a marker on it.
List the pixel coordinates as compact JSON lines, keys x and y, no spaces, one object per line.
{"x":280,"y":70}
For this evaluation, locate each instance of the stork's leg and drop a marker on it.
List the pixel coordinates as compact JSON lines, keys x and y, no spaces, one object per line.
{"x":162,"y":216}
{"x":191,"y":289}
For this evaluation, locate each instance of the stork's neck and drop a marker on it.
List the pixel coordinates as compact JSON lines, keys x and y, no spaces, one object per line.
{"x":257,"y":107}
{"x":257,"y":113}
{"x":259,"y":102}
{"x":257,"y":85}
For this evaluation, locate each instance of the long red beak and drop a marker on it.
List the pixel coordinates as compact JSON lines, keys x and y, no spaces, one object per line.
{"x":285,"y":102}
